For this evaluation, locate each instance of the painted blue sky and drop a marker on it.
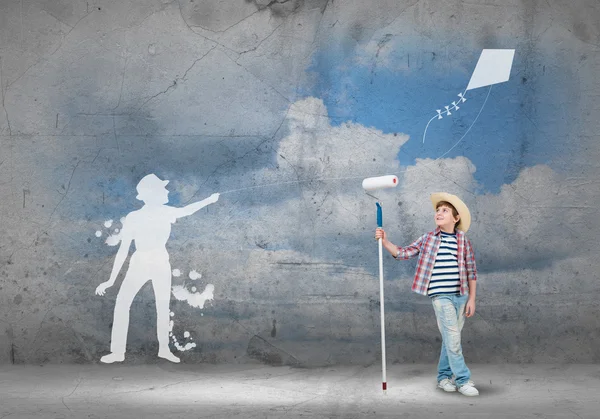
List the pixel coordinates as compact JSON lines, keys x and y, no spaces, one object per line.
{"x":400,"y":96}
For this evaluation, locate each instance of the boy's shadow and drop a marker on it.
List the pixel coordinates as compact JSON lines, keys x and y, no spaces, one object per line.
{"x":485,"y":390}
{"x":491,"y":389}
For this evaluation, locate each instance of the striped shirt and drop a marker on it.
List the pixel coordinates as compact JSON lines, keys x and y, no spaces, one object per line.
{"x":444,"y":276}
{"x":426,"y":247}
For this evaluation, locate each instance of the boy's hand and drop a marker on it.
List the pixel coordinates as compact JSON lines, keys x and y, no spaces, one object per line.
{"x":470,"y":308}
{"x":380,"y":234}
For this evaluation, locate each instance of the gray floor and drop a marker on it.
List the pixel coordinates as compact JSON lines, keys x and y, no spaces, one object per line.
{"x":253,"y":391}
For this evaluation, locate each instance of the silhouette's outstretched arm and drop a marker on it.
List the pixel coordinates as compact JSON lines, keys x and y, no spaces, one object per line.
{"x":192,"y":208}
{"x":118,"y":264}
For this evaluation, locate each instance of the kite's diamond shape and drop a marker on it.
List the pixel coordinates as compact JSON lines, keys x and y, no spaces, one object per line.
{"x":493,"y":67}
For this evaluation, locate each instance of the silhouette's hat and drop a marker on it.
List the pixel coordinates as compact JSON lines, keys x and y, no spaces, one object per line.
{"x":150,"y":184}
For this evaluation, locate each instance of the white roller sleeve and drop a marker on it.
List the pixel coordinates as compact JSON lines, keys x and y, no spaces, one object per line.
{"x":380,"y":182}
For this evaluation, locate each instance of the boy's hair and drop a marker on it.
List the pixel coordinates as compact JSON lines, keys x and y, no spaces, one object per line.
{"x":449,"y":205}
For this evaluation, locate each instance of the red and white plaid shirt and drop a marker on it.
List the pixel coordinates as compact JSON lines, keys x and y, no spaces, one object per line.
{"x":427,"y":247}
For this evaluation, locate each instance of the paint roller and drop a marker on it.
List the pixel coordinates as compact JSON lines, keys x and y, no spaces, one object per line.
{"x":380,"y":182}
{"x":372,"y":184}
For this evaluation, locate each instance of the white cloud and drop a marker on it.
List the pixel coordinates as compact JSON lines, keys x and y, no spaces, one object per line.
{"x":323,"y":166}
{"x":317,"y":210}
{"x":512,"y":230}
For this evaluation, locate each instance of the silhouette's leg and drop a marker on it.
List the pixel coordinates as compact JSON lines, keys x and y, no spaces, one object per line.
{"x":132,"y":283}
{"x":162,"y":295}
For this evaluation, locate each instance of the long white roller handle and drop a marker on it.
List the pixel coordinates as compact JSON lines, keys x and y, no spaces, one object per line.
{"x":382,"y":299}
{"x":380,"y":182}
{"x":371,"y":184}
{"x":382,"y":310}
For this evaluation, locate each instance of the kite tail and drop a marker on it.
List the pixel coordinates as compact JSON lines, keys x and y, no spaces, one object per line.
{"x":452,"y":107}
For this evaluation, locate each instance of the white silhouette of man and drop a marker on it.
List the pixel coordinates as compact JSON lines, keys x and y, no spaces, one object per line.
{"x":150,"y":228}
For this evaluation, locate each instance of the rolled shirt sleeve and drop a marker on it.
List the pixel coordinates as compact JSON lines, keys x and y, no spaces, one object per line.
{"x":470,"y":261}
{"x":409,"y":251}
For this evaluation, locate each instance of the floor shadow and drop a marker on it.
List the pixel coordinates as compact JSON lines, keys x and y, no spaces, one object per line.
{"x":491,"y":390}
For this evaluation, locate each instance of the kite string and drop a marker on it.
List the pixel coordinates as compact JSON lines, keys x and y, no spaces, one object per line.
{"x":362,"y":177}
{"x":291,"y":182}
{"x":467,"y":131}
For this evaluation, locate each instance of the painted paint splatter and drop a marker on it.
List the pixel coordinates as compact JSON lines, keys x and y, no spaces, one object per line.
{"x":113,"y":239}
{"x":187,"y":347}
{"x":195,"y":275}
{"x":182,"y":348}
{"x":193,"y":298}
{"x":176,"y":273}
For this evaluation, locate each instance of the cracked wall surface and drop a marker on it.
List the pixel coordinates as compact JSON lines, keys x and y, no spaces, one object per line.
{"x":284,"y":107}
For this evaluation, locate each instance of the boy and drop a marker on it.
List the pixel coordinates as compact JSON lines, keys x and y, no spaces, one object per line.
{"x":446,"y":272}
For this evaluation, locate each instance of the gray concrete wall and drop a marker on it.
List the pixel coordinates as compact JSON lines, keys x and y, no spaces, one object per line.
{"x":283,"y":107}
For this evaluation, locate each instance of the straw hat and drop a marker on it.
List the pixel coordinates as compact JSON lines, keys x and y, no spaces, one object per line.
{"x":463,"y":210}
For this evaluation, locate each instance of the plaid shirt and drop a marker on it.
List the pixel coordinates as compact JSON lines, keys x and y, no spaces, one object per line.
{"x":427,"y":247}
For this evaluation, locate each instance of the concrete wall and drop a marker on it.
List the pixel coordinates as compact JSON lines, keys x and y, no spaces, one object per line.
{"x":283,"y":107}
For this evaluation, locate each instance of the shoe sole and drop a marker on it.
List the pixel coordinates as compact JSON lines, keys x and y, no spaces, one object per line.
{"x":468,"y":395}
{"x":447,"y":391}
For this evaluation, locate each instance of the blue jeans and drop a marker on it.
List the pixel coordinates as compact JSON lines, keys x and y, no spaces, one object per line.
{"x":450,"y":314}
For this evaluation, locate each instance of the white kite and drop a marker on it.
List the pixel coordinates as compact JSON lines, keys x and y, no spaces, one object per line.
{"x":493,"y":67}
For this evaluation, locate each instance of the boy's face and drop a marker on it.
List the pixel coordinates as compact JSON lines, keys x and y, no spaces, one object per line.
{"x":444,"y":218}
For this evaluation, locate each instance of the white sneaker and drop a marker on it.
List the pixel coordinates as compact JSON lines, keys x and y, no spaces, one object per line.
{"x":446,"y":385}
{"x":468,"y":389}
